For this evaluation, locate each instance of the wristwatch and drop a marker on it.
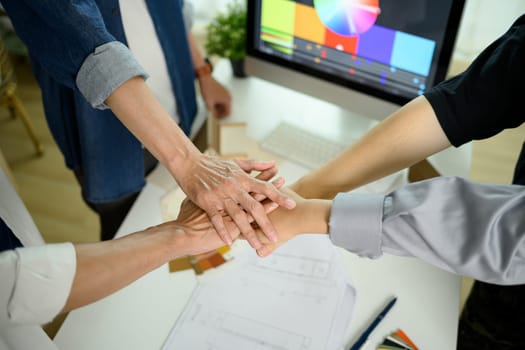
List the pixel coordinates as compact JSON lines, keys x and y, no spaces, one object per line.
{"x":205,"y":69}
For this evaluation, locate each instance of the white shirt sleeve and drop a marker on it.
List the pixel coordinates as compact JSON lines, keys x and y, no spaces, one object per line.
{"x":188,"y":15}
{"x":470,"y":229}
{"x":36,"y":282}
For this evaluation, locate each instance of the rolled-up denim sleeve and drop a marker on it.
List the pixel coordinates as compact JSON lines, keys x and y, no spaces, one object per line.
{"x":105,"y":70}
{"x":36,"y":282}
{"x":59,"y":34}
{"x":69,"y":39}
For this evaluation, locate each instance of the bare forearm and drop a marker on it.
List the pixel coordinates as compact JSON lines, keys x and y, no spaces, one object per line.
{"x":215,"y":95}
{"x":309,"y":216}
{"x":105,"y":267}
{"x":315,"y":214}
{"x":137,"y":108}
{"x":406,"y":137}
{"x":196,"y":56}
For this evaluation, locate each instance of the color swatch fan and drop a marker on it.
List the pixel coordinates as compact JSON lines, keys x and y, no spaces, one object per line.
{"x":397,"y":341}
{"x":347,"y":17}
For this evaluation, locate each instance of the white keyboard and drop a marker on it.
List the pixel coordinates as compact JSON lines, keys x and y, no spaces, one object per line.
{"x":301,"y":146}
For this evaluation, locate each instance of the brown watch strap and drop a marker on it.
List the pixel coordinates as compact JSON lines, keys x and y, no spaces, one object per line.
{"x":203,"y":70}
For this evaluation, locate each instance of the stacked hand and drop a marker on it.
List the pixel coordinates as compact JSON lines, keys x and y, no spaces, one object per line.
{"x":306,"y":217}
{"x":309,"y":216}
{"x":288,"y":224}
{"x":225,"y":187}
{"x":199,"y":233}
{"x":226,"y":191}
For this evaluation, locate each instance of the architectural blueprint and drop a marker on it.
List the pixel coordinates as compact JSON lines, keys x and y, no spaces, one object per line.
{"x":298,"y":298}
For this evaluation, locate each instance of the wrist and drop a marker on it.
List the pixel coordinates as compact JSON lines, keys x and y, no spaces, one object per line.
{"x":152,"y":247}
{"x":316,"y":214}
{"x":177,"y":243}
{"x":204,"y":80}
{"x":204,"y":70}
{"x":183,"y":160}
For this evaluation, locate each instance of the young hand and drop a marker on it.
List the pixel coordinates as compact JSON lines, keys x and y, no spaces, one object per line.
{"x":309,"y":216}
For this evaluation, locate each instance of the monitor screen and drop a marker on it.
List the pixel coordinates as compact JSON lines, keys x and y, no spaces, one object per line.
{"x":392,"y":50}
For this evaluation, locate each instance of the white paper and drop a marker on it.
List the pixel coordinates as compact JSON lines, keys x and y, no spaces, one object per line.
{"x":298,"y":298}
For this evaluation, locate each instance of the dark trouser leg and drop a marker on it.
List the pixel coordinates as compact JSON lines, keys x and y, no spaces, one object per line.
{"x":112,"y":214}
{"x":494,"y":316}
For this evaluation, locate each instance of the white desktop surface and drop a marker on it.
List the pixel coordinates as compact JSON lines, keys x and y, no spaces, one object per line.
{"x":141,"y":315}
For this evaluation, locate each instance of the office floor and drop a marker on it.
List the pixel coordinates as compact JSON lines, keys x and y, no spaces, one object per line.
{"x":52,"y":194}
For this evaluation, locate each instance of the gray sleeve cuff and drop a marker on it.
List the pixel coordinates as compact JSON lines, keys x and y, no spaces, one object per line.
{"x":105,"y":70}
{"x":356,"y":222}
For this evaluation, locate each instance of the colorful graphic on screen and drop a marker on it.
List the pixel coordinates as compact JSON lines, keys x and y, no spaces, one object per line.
{"x":347,"y":17}
{"x":288,"y":26}
{"x":347,"y":39}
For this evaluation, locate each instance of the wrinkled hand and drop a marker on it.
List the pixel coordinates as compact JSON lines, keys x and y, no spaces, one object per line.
{"x":225,"y":187}
{"x":217,"y":98}
{"x":200,"y":234}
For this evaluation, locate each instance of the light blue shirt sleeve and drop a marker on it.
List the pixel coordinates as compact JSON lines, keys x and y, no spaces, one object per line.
{"x":470,"y":229}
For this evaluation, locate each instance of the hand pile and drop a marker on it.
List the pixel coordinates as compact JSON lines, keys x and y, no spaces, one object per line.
{"x":225,"y":203}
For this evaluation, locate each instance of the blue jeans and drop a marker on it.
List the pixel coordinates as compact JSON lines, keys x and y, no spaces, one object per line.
{"x":111,"y":214}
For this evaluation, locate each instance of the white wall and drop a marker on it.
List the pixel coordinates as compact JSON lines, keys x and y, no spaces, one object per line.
{"x":206,"y":9}
{"x":483,"y":21}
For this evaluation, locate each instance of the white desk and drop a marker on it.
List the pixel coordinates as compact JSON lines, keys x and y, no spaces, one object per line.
{"x":141,"y":315}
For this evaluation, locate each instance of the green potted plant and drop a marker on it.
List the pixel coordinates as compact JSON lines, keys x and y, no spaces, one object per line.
{"x":226,"y":36}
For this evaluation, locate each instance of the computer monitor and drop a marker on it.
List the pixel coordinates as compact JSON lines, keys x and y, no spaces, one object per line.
{"x":367,"y":56}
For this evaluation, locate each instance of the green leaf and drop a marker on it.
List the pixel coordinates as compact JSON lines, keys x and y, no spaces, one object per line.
{"x":226,"y":33}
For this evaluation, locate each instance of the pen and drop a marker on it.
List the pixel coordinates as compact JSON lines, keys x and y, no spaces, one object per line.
{"x":364,"y":337}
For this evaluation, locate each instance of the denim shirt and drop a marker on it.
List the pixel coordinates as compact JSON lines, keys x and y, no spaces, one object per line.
{"x":79,"y":56}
